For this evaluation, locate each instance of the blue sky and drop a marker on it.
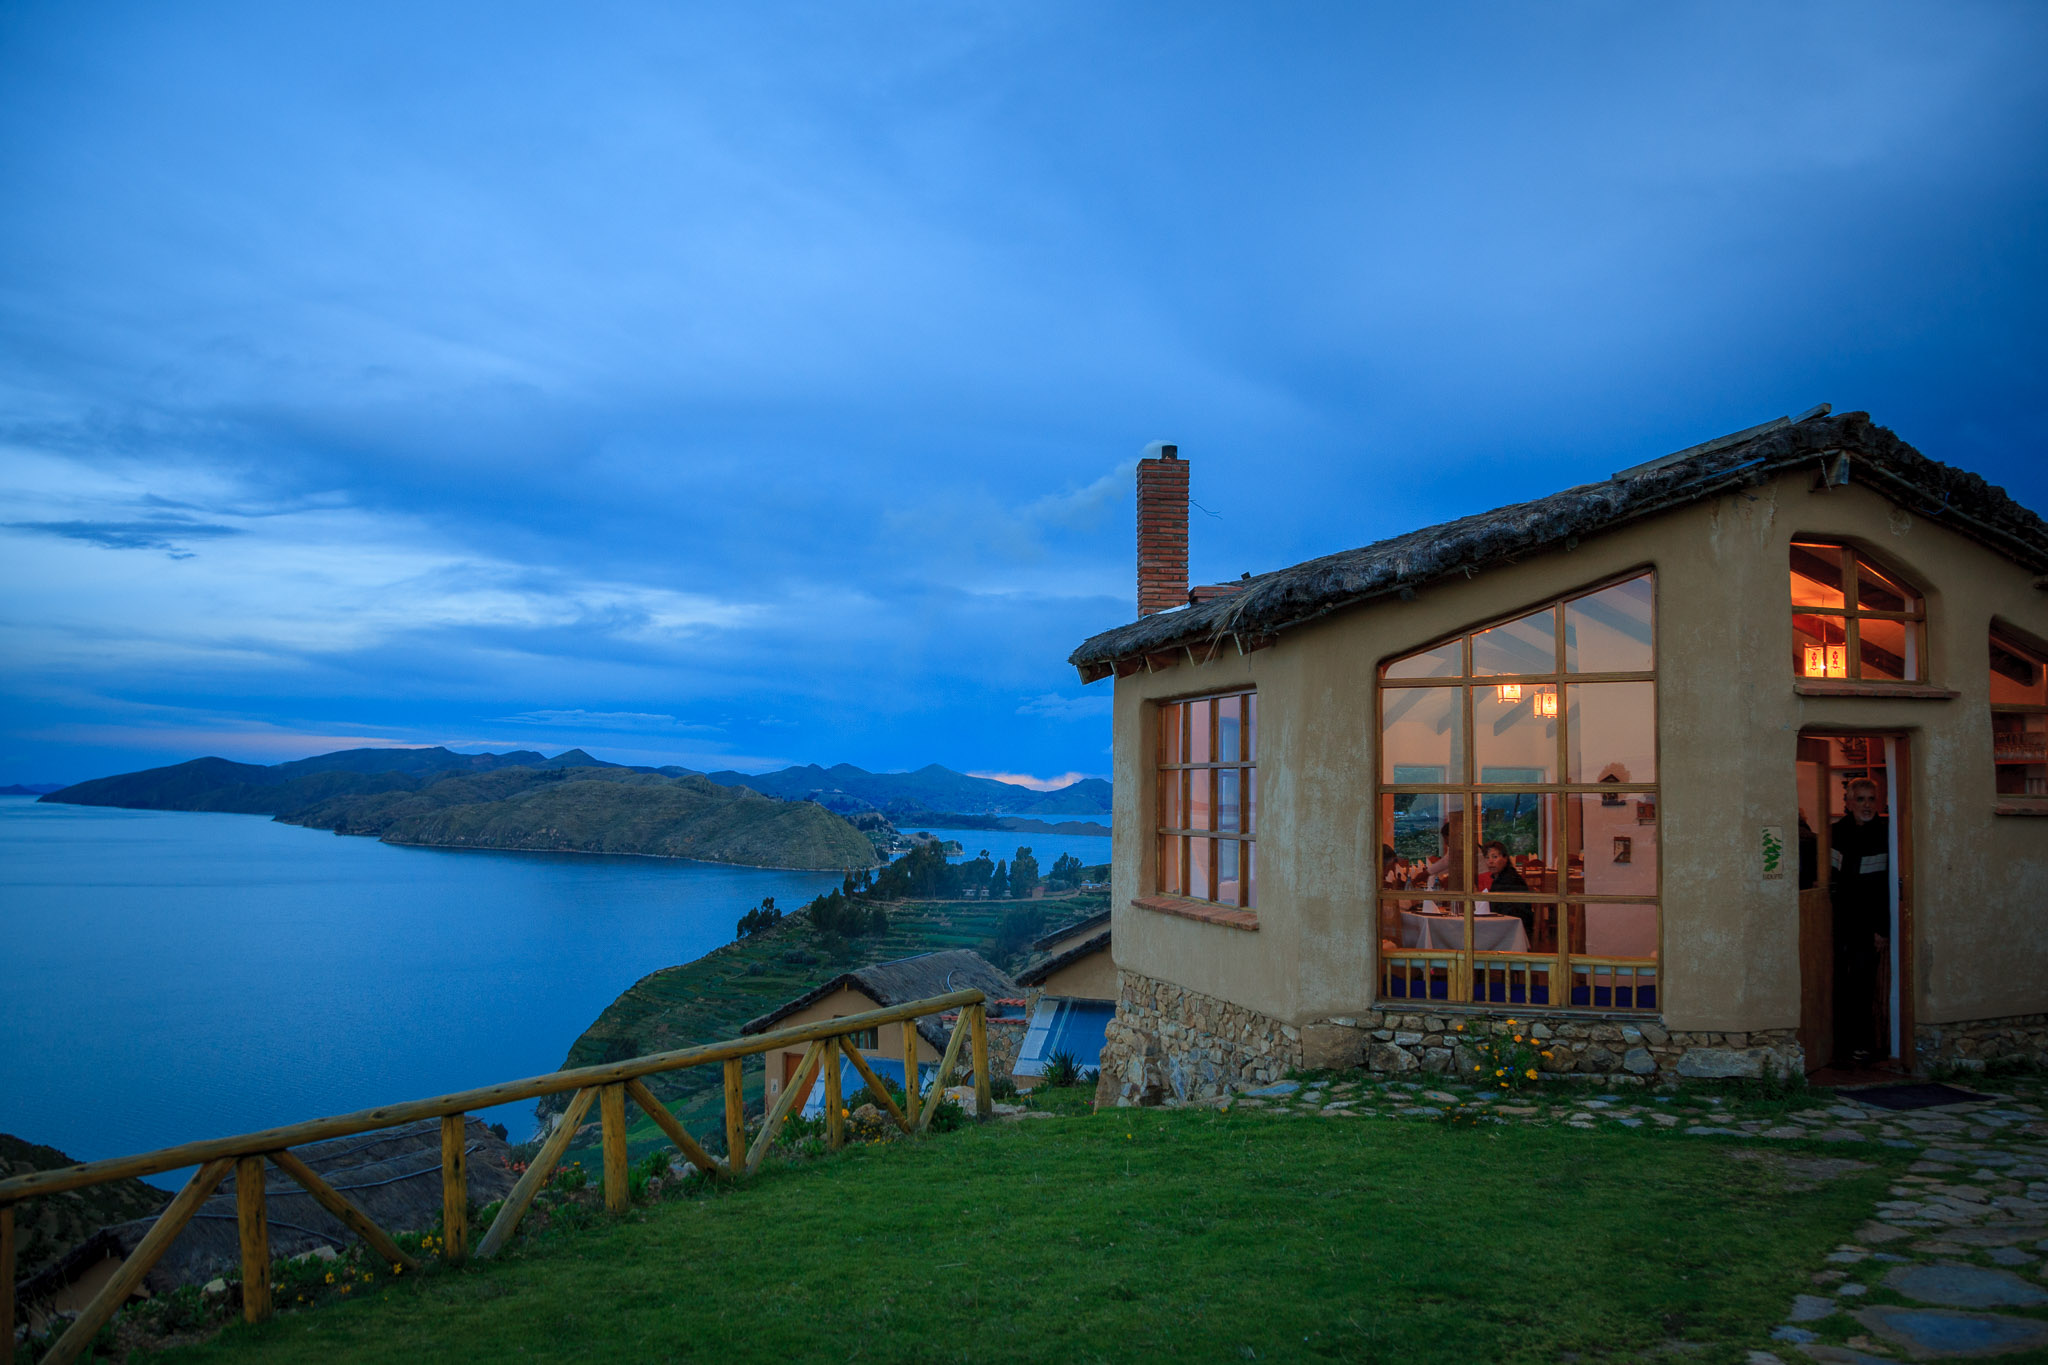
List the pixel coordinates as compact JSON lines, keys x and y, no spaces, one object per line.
{"x":751,"y":384}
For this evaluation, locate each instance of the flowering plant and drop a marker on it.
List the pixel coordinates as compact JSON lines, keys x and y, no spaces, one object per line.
{"x":1503,"y":1057}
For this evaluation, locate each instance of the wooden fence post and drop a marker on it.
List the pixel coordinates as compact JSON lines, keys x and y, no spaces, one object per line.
{"x":835,"y":1105}
{"x":254,"y":1222}
{"x":910,"y":1037}
{"x":454,"y":1190}
{"x":735,"y":1118}
{"x":611,"y":1108}
{"x":983,"y":1099}
{"x":6,"y":1284}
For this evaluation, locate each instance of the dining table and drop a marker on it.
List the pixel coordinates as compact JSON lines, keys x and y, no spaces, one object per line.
{"x":1490,"y":933}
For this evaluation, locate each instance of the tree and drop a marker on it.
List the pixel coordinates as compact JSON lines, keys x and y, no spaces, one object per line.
{"x":1067,"y":871}
{"x":999,"y":880}
{"x":760,"y":919}
{"x":1023,"y":874}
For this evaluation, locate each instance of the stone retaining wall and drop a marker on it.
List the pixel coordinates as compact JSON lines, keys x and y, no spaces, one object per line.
{"x":1168,"y":1043}
{"x":1624,"y":1051}
{"x":1975,"y":1043}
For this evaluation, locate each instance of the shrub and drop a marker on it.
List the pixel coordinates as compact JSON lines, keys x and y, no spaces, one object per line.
{"x":1003,"y":1088}
{"x":1062,"y":1069}
{"x":1503,"y":1057}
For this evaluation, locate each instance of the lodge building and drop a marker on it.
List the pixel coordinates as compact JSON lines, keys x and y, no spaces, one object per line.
{"x":1594,"y":762}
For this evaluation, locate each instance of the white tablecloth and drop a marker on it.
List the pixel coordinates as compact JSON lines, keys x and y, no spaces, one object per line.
{"x":1495,"y":933}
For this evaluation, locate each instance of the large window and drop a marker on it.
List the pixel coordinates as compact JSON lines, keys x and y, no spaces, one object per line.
{"x":2019,"y":717}
{"x":1852,"y":619}
{"x":1518,"y":809}
{"x":1208,"y":799}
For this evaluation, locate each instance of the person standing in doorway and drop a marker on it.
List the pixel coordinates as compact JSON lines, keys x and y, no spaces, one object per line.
{"x":1859,"y":888}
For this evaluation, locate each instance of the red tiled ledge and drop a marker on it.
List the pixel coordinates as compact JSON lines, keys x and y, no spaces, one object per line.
{"x":1227,"y":916}
{"x":1830,"y":687}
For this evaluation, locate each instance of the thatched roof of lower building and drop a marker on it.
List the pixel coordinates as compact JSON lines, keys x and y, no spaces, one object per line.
{"x":902,"y":981}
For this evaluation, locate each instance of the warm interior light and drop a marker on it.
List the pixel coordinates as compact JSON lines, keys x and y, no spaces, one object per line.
{"x":1816,"y":661}
{"x":1838,"y":661}
{"x":1509,"y":691}
{"x":1544,"y":703}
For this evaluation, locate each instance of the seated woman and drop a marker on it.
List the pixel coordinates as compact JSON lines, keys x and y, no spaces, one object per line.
{"x":1502,"y":875}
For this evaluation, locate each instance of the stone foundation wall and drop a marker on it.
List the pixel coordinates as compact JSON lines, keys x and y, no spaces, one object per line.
{"x":1171,"y":1044}
{"x":1628,"y":1051}
{"x":1976,"y":1043}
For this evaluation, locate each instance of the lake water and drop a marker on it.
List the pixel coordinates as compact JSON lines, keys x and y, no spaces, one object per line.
{"x":1002,"y":845}
{"x":166,"y":976}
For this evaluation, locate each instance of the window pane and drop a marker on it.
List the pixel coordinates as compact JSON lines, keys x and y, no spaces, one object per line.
{"x":1172,"y":719}
{"x":1169,"y":863}
{"x":1514,"y":742}
{"x":1528,"y":645}
{"x":1201,"y":806}
{"x":1614,"y":930}
{"x":1201,"y":868}
{"x":1610,"y":631}
{"x":1817,"y":577}
{"x":1423,"y":730}
{"x":1251,"y":800}
{"x":1226,"y":798}
{"x":1419,"y":826}
{"x":1201,"y":715}
{"x":2019,"y":746}
{"x":1249,"y":855}
{"x":1526,"y":824}
{"x":1229,"y":732}
{"x":1612,"y":731}
{"x":1889,"y":649}
{"x":1172,"y":798}
{"x":1820,"y":647}
{"x":2017,"y":677}
{"x":1445,"y":661}
{"x":1226,"y":871}
{"x":1613,"y":844}
{"x":1251,"y":727}
{"x":1878,"y":590}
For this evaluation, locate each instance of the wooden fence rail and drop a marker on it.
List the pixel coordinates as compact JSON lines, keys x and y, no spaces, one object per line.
{"x":609,"y":1086}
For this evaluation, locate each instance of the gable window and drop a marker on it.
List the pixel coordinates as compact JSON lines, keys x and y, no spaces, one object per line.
{"x":1208,"y":799}
{"x":1852,"y":619}
{"x":2019,"y":717}
{"x":1518,"y":810}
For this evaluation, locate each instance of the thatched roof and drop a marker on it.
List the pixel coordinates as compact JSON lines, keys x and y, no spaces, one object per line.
{"x":1270,"y":603}
{"x":1045,"y":941}
{"x":904,"y":980}
{"x":1036,"y":975}
{"x":393,"y":1175}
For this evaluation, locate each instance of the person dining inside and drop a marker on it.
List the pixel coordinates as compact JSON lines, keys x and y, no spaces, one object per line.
{"x":1502,"y":875}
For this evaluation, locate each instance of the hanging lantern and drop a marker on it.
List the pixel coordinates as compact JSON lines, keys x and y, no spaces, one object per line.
{"x":1544,"y":703}
{"x":1816,"y":661}
{"x":1508,"y":692}
{"x":1838,"y":661}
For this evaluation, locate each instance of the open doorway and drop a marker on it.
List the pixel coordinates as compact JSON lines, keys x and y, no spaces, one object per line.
{"x":1855,"y":903}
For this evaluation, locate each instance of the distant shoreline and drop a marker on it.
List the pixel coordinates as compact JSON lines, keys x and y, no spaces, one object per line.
{"x":588,"y":852}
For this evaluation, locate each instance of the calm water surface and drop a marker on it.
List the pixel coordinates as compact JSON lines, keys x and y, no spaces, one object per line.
{"x":166,"y":976}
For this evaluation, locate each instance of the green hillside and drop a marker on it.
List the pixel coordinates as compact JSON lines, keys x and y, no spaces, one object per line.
{"x":709,"y":999}
{"x":49,"y":1227}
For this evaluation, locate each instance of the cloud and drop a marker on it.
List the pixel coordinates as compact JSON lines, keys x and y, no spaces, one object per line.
{"x":1037,"y":784}
{"x":1053,"y":706}
{"x":161,"y":533}
{"x":610,"y":720}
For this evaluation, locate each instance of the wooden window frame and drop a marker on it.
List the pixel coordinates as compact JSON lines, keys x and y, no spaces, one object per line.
{"x":1852,"y":613}
{"x":1186,"y":774}
{"x":2011,"y":643}
{"x":1561,"y":967}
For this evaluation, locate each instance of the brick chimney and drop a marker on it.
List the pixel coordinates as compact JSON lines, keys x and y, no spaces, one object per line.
{"x":1162,"y":532}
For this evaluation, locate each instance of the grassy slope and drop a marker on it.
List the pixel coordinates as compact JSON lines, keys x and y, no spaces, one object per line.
{"x":706,"y":1000}
{"x":49,"y":1227}
{"x":1144,"y":1235}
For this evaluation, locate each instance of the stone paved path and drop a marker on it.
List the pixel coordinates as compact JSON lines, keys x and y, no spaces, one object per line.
{"x":1952,"y":1265}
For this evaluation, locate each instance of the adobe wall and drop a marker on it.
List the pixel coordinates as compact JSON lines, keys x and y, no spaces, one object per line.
{"x":1728,"y":723}
{"x":1091,"y":978}
{"x":838,"y":1005}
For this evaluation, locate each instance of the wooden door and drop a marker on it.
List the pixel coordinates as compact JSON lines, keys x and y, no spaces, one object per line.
{"x":1816,"y":916}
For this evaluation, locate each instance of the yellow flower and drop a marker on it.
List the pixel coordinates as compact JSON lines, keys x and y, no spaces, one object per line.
{"x":1546,"y":1054}
{"x":1475,"y":1068}
{"x":1518,"y":1037}
{"x":1461,"y":1028}
{"x":345,"y":1289}
{"x":397,"y":1268}
{"x":330,"y":1277}
{"x":1530,"y":1073}
{"x":1501,"y":1071}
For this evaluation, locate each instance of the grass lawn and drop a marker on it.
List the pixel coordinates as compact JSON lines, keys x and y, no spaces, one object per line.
{"x":1147,"y":1234}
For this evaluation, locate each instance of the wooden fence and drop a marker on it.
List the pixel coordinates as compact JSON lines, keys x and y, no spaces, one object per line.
{"x":610,"y":1085}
